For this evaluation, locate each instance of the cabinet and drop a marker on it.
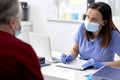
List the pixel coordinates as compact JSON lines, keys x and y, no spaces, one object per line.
{"x":26,"y":27}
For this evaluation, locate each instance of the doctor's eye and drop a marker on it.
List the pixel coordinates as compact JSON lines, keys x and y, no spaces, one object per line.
{"x":94,"y":20}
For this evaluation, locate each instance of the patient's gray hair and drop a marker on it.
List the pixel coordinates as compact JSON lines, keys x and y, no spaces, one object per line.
{"x":8,"y":9}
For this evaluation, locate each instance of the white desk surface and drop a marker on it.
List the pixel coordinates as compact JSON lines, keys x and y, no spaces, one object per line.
{"x":53,"y":72}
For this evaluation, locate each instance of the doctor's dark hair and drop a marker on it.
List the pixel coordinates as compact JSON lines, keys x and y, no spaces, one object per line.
{"x":8,"y":9}
{"x":106,"y":12}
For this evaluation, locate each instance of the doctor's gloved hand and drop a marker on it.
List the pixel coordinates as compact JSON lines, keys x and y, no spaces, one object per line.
{"x":66,"y":58}
{"x":92,"y":62}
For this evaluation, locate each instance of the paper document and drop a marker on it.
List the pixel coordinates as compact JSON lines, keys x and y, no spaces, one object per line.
{"x":75,"y":64}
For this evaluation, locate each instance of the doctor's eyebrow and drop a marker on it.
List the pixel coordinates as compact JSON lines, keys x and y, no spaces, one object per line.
{"x":95,"y":19}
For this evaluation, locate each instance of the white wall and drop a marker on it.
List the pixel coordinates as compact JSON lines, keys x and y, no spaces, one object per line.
{"x":61,"y":32}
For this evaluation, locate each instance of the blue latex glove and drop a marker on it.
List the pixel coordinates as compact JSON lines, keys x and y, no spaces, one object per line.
{"x":67,"y":58}
{"x":92,"y":62}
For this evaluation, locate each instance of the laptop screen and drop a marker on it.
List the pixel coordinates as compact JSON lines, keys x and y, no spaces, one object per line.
{"x":41,"y":45}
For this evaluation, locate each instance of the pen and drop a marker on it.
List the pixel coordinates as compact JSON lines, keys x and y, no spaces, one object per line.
{"x":65,"y":57}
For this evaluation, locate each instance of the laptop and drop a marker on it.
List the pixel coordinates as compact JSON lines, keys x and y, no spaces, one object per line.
{"x":41,"y":45}
{"x":107,"y":73}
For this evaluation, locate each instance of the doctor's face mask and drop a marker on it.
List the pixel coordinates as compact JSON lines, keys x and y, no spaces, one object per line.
{"x":91,"y":26}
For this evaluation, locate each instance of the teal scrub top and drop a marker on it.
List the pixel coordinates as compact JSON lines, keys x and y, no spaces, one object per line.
{"x":92,"y":49}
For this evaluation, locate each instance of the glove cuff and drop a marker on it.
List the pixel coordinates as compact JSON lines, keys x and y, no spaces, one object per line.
{"x":100,"y":65}
{"x":72,"y":56}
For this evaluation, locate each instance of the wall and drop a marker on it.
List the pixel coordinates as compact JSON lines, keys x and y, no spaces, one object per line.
{"x":61,"y":32}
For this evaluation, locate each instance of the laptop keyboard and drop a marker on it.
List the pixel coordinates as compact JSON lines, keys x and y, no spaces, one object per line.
{"x":55,"y":59}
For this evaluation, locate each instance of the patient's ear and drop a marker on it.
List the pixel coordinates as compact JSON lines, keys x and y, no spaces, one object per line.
{"x":12,"y":22}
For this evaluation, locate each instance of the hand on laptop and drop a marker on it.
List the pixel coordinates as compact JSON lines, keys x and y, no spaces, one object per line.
{"x":66,"y":58}
{"x":92,"y":62}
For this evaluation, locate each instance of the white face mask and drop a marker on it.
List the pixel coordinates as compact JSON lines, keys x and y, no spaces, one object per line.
{"x":18,"y":32}
{"x":90,"y":26}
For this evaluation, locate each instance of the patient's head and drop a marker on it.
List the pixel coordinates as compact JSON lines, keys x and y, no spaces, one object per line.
{"x":10,"y":16}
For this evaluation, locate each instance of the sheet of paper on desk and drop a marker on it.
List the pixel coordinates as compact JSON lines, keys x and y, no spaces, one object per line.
{"x":76,"y":64}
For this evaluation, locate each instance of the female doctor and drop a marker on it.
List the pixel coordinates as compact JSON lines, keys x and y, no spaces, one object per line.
{"x":97,"y":39}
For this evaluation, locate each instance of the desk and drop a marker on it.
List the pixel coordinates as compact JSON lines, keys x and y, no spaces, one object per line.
{"x":53,"y":72}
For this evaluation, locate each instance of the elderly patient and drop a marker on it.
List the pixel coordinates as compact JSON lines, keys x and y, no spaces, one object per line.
{"x":18,"y":60}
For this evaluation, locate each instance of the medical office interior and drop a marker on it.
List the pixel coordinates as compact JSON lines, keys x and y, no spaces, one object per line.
{"x":60,"y":19}
{"x":44,"y":18}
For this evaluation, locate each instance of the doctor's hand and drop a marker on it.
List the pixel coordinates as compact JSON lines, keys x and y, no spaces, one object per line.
{"x":92,"y":62}
{"x":66,"y":58}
